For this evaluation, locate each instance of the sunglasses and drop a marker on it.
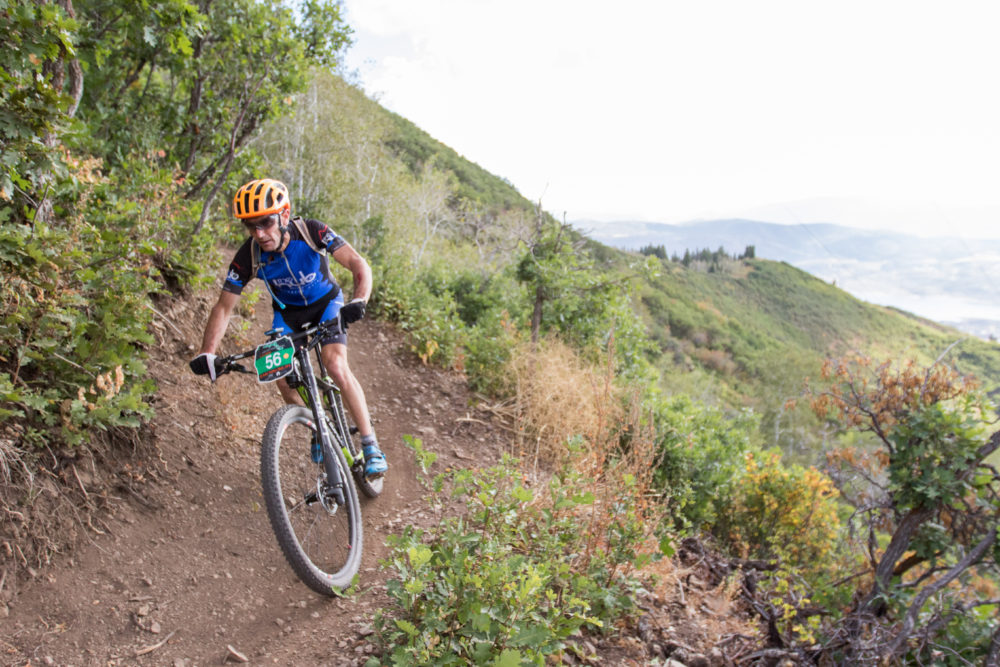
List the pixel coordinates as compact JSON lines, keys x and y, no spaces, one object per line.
{"x":264,"y":223}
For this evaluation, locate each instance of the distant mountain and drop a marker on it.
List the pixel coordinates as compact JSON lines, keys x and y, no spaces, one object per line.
{"x":946,"y":279}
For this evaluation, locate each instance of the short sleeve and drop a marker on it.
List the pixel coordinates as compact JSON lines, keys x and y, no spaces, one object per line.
{"x":239,"y":270}
{"x":324,"y":236}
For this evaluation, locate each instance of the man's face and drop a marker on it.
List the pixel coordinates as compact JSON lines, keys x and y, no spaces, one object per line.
{"x":266,"y":230}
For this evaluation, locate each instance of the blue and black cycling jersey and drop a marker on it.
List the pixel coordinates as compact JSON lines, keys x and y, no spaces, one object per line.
{"x":298,"y":275}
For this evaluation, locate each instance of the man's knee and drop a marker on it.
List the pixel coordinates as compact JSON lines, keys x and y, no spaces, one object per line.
{"x":336,"y":363}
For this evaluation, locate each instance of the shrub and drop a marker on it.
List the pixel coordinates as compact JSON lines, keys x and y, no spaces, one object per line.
{"x":516,"y":579}
{"x":556,"y":397}
{"x":701,"y":455}
{"x":928,"y":506}
{"x":780,"y":511}
{"x":74,"y":304}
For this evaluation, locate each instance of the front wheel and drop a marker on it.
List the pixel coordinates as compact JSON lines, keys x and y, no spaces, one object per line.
{"x":321,"y":539}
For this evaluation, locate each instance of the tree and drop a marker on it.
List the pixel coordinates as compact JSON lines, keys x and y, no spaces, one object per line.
{"x":430,"y":197}
{"x":194,"y":83}
{"x":927,"y":503}
{"x":570,"y":293}
{"x":40,"y":87}
{"x":654,"y":250}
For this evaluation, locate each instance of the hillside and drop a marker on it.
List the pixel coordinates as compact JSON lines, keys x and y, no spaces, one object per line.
{"x":181,"y":564}
{"x":130,"y":526}
{"x":750,"y":332}
{"x":757,"y":328}
{"x":945,"y":278}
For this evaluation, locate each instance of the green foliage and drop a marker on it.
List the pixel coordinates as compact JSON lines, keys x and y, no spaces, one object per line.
{"x":74,"y":304}
{"x":587,"y":306}
{"x":516,"y":580}
{"x":429,"y":317}
{"x":934,"y":449}
{"x":32,"y":106}
{"x":208,"y":77}
{"x":116,"y":127}
{"x":702,"y":456}
{"x":425,"y":458}
{"x":928,"y":502}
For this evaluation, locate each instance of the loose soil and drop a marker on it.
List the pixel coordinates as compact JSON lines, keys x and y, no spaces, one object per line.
{"x":184,"y":569}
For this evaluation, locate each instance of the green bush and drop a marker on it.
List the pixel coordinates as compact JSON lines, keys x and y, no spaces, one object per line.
{"x":74,"y":305}
{"x":702,"y":455}
{"x":514,"y":580}
{"x":435,"y":330}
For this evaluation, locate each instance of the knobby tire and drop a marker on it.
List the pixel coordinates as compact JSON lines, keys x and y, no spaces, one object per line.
{"x":323,"y":549}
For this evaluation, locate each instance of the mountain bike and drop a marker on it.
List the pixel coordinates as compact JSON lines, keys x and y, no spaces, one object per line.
{"x":311,"y":467}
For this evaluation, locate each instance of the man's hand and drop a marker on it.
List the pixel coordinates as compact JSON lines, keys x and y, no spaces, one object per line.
{"x":352,"y":312}
{"x":204,"y":364}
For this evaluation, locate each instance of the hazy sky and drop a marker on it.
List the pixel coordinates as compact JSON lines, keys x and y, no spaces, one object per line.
{"x":873,"y":113}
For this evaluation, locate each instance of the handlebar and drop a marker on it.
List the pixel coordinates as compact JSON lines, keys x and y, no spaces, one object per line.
{"x":229,"y":364}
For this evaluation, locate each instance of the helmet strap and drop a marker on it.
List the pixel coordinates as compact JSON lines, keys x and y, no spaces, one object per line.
{"x":283,"y":227}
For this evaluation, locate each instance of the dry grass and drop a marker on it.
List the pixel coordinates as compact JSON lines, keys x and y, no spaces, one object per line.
{"x":558,"y":398}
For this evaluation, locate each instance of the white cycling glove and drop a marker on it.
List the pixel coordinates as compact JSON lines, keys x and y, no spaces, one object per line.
{"x":204,"y":364}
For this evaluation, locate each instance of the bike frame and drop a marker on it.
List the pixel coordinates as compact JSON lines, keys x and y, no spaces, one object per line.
{"x":329,"y":391}
{"x":308,"y":386}
{"x":309,"y":389}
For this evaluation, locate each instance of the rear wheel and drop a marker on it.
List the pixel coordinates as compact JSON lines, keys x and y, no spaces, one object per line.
{"x":321,"y":538}
{"x":370,"y":486}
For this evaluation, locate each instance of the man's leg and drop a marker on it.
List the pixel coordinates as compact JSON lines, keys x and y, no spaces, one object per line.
{"x":335,"y":360}
{"x":288,"y":395}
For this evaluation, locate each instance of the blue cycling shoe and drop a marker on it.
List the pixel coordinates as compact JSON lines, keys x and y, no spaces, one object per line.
{"x":375,"y":463}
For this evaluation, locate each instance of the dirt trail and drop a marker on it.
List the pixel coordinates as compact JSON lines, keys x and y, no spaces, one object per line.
{"x":188,"y":565}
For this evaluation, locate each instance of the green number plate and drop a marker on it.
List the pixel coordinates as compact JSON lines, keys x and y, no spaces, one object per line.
{"x":273,"y":359}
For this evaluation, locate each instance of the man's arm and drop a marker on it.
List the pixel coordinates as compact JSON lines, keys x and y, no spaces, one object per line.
{"x":349,"y":258}
{"x":218,"y":320}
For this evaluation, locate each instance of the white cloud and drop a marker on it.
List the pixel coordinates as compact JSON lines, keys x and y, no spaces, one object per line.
{"x":674,"y":110}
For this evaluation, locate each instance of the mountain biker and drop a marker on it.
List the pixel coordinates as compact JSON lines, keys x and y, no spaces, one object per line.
{"x":292,"y":261}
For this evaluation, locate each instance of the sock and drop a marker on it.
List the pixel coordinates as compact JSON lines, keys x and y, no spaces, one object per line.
{"x":369,"y":440}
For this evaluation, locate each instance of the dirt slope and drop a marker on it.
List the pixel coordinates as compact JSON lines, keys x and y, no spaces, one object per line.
{"x":190,"y":555}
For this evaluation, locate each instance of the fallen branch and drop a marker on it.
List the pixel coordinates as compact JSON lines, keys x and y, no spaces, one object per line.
{"x":772,"y":654}
{"x":150,"y":649}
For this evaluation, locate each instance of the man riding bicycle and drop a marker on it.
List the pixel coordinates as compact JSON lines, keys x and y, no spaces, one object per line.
{"x":292,"y":261}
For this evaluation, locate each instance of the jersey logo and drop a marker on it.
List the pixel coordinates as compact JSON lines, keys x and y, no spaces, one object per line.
{"x":303,"y":279}
{"x":233,"y":277}
{"x":327,"y":237}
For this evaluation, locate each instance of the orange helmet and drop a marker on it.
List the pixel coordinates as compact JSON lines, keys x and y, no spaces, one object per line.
{"x":260,"y":197}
